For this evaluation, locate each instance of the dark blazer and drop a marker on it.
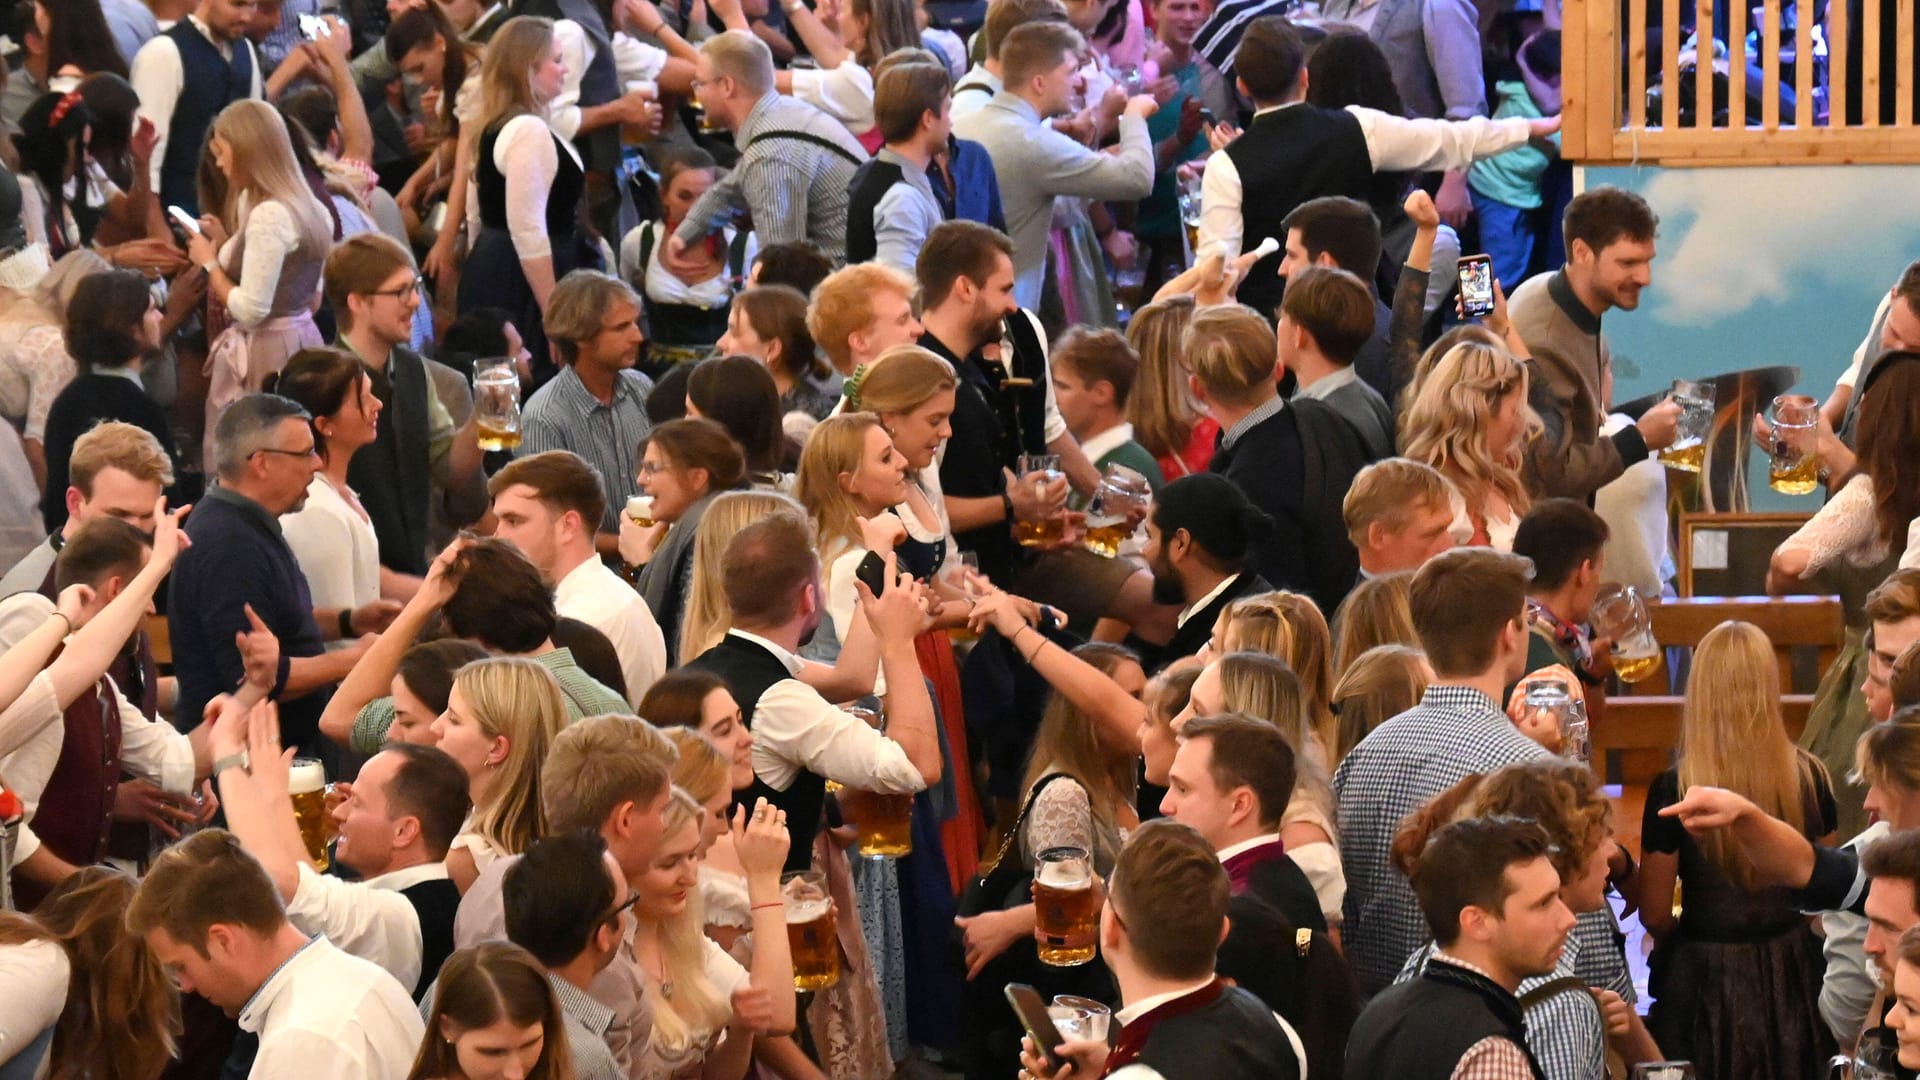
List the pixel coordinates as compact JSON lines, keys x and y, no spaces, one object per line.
{"x":1297,"y":466}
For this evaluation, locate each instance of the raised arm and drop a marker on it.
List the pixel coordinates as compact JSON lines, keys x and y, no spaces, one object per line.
{"x":897,"y":617}
{"x":1779,"y":853}
{"x":1086,"y":687}
{"x":761,"y":842}
{"x":259,"y":811}
{"x":372,"y":677}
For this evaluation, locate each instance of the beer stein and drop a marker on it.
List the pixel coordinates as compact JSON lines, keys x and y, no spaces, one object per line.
{"x":1689,"y":449}
{"x":496,"y":404}
{"x":1794,"y":468}
{"x":1040,"y":470}
{"x":307,"y":783}
{"x":1066,"y":908}
{"x":811,"y":935}
{"x":1121,"y":492}
{"x":1620,"y":614}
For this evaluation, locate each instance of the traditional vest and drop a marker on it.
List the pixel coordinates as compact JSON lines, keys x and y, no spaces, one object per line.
{"x":1287,"y":157}
{"x":392,"y":476}
{"x":75,"y":816}
{"x":1421,"y":1028}
{"x":435,"y":903}
{"x":749,"y":671}
{"x":563,"y":198}
{"x":212,"y":82}
{"x":1219,"y":1032}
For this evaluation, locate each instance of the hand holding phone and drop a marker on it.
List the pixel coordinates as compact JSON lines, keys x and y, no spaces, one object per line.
{"x":1032,"y":1012}
{"x":184,"y":220}
{"x":1476,"y":286}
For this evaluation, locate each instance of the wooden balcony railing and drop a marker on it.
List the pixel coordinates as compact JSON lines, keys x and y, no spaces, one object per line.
{"x":1838,"y":107}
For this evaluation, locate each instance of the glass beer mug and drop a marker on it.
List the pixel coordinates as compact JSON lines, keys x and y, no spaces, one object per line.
{"x":1065,"y":907}
{"x":884,"y":821}
{"x":1121,"y":492}
{"x":307,"y":783}
{"x":1620,"y":614}
{"x":1547,"y":699}
{"x":1689,"y":449}
{"x":811,"y":935}
{"x":496,"y":404}
{"x":1040,"y":470}
{"x":1794,"y":468}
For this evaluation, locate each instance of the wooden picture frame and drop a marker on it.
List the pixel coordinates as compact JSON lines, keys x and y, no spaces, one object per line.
{"x":1735,"y":563}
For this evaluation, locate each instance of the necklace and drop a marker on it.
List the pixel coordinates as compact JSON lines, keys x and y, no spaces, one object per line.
{"x":660,"y":951}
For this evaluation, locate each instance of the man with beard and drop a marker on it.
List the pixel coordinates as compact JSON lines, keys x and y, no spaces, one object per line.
{"x":1198,"y":535}
{"x":800,"y":740}
{"x":1610,"y":234}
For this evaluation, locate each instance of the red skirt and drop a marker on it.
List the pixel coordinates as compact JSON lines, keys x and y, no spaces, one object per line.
{"x":960,"y":834}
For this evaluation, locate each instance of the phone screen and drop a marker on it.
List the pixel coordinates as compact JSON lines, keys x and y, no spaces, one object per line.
{"x":1476,"y":286}
{"x":1033,"y":1017}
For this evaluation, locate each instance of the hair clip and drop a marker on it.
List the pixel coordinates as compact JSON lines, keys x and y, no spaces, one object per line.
{"x":851,"y":390}
{"x":61,"y":110}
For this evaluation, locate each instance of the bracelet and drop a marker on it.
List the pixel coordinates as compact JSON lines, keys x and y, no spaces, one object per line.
{"x":231,"y":761}
{"x":346,"y":624}
{"x":766,"y":904}
{"x":65,"y":619}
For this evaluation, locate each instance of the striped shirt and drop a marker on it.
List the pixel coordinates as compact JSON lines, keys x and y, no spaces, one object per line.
{"x":792,"y":177}
{"x":1565,"y":1031}
{"x":564,"y":415}
{"x":1219,"y":36}
{"x":1454,"y":732}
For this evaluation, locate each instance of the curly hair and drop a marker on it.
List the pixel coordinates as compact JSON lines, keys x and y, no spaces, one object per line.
{"x":1454,"y":401}
{"x":1563,"y":797}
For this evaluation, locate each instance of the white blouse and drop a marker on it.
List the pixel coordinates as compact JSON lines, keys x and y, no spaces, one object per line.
{"x":1845,"y":528}
{"x":844,"y":93}
{"x":272,"y":237}
{"x":526,"y":156}
{"x":661,"y":286}
{"x":34,"y":368}
{"x":336,"y":548}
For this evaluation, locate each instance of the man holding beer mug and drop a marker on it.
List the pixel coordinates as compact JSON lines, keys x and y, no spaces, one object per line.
{"x":1164,"y":919}
{"x":800,"y":740}
{"x":405,"y":809}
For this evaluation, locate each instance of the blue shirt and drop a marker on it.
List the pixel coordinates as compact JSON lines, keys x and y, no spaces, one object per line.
{"x":239,"y":558}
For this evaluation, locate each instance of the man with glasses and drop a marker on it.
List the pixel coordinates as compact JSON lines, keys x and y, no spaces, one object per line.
{"x":567,"y":903}
{"x":240,"y":577}
{"x":374,"y":288}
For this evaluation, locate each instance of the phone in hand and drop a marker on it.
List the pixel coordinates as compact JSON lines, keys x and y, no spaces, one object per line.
{"x":184,"y":221}
{"x":1476,"y":286}
{"x":1032,"y":1012}
{"x":873,"y":571}
{"x":313,"y":27}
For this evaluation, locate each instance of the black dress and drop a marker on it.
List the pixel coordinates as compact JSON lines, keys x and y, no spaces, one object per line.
{"x":492,"y":277}
{"x":1737,"y":987}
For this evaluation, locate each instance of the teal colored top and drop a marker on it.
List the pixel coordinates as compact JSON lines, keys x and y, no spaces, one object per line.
{"x":584,"y":696}
{"x":1160,"y":210}
{"x":1513,"y":178}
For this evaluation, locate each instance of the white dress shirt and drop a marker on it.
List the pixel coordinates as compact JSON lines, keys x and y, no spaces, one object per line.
{"x":368,"y":919}
{"x":328,"y":1015}
{"x":151,"y":750}
{"x":795,"y":730}
{"x":600,"y":598}
{"x":844,"y":93}
{"x":1395,"y":143}
{"x":158,"y":77}
{"x":1200,"y":605}
{"x":633,"y":61}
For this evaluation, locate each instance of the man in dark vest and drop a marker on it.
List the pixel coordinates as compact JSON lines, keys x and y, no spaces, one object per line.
{"x":893,"y":202}
{"x":404,"y":810}
{"x":1491,"y":896}
{"x":1293,"y":152}
{"x":1164,"y":920}
{"x":69,"y":773}
{"x":800,"y":740}
{"x":374,"y":289}
{"x":1003,"y":408}
{"x":1293,"y":459}
{"x":184,"y":78}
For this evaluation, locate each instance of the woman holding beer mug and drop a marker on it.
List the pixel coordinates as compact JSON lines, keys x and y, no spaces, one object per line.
{"x":1470,"y":419}
{"x":501,"y":716}
{"x":707,"y":1009}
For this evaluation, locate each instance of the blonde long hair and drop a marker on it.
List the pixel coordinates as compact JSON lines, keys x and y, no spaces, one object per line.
{"x":1378,"y":684}
{"x":261,"y":150}
{"x":1732,"y":736}
{"x":1453,"y":404}
{"x":519,"y":699}
{"x":1069,"y":742}
{"x":1288,"y":625}
{"x":506,"y":72}
{"x":696,"y":1004}
{"x":834,"y":449}
{"x":1262,"y":686}
{"x":705,"y":620}
{"x":1379,"y":611}
{"x":1162,"y":408}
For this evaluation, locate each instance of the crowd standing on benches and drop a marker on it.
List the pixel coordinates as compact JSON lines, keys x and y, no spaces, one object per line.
{"x":621,"y":446}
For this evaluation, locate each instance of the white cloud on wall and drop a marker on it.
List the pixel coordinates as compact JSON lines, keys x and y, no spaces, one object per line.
{"x":1746,"y":236}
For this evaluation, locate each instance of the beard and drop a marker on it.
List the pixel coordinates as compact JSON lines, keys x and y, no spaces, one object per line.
{"x":1167,"y":589}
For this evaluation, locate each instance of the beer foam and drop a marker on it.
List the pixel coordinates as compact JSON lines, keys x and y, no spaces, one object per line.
{"x":1064,"y":877}
{"x":305,"y":777}
{"x":806,"y":911}
{"x":1104,"y":521}
{"x":640,"y":506}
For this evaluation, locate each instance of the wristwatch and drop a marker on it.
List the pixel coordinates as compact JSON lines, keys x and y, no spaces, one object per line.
{"x":231,"y":761}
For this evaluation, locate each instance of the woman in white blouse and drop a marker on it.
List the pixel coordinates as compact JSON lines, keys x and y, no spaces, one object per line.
{"x":686,"y":310}
{"x":501,"y":716}
{"x":34,"y":365}
{"x":331,"y":536}
{"x":523,"y":209}
{"x":263,"y":253}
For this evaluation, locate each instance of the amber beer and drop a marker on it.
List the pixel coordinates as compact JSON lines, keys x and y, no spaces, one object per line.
{"x":1689,"y":450}
{"x":307,"y":783}
{"x":640,"y":509}
{"x":1040,"y":470}
{"x":885,"y":823}
{"x":810,"y":931}
{"x":496,"y":406}
{"x":1637,"y":665}
{"x":1105,"y":535}
{"x":1066,"y":909}
{"x":491,"y":437}
{"x":1799,"y":478}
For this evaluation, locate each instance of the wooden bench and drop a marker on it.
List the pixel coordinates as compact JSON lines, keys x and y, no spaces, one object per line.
{"x":1635,"y":733}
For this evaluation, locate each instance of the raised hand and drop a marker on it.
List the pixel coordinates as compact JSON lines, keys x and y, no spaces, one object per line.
{"x":259,"y":654}
{"x":1420,"y":209}
{"x":760,"y":841}
{"x":267,"y":763}
{"x":169,"y":539}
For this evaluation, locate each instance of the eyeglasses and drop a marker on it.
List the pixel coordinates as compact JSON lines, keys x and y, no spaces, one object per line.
{"x":311,"y":451}
{"x":401,"y":292}
{"x":648,"y":468}
{"x":613,"y":917}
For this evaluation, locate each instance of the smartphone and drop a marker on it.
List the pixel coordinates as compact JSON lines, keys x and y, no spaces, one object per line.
{"x":1032,"y":1012}
{"x":873,"y":571}
{"x":183,"y":219}
{"x":1476,"y":286}
{"x":313,"y":27}
{"x":1206,"y":117}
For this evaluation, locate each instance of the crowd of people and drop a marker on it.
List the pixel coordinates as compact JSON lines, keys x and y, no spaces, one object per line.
{"x":722,"y":538}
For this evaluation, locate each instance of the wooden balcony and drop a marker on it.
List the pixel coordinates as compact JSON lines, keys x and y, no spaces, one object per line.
{"x":1844,"y":108}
